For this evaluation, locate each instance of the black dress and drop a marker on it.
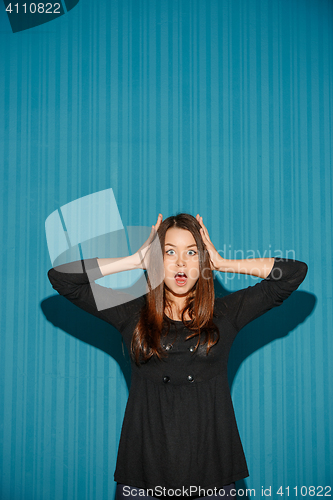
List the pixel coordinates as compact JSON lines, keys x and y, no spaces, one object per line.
{"x":179,"y":428}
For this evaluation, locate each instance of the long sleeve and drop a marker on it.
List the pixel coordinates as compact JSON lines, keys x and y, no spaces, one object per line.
{"x":75,"y":282}
{"x":247,"y":304}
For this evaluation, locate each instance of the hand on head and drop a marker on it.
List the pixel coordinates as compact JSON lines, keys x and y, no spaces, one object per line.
{"x":215,"y":257}
{"x":145,"y":247}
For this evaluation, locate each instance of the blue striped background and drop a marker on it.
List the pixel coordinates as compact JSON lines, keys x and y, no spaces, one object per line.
{"x":217,"y":107}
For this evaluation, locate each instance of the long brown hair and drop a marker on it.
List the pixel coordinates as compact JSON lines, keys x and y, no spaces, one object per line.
{"x":146,"y":340}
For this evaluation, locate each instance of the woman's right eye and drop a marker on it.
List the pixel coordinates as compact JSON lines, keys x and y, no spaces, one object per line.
{"x":169,"y":251}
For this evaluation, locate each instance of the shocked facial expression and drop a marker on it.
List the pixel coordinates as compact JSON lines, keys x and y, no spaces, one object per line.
{"x":181,"y":260}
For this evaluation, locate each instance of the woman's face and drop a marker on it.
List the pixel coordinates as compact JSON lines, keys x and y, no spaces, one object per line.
{"x":180,"y":256}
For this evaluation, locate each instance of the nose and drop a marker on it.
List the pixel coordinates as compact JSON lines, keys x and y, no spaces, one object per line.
{"x":180,"y":261}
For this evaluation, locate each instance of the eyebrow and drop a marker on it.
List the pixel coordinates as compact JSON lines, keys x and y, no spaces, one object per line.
{"x":171,"y":245}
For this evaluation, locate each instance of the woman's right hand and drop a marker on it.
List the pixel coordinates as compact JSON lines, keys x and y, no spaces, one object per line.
{"x":142,"y":252}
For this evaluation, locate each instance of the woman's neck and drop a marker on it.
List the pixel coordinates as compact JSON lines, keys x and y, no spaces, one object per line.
{"x":177,"y":315}
{"x":177,"y":305}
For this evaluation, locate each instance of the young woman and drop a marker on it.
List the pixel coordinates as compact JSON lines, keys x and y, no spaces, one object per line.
{"x":179,"y":435}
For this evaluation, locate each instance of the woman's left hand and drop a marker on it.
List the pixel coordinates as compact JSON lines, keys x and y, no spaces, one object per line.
{"x":215,"y":257}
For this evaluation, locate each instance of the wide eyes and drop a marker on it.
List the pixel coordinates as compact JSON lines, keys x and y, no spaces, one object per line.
{"x":191,"y":254}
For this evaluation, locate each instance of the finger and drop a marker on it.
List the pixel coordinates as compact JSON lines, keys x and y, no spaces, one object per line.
{"x":205,"y":230}
{"x":159,"y":221}
{"x":203,"y":235}
{"x":158,"y":218}
{"x":206,"y":239}
{"x":155,"y":227}
{"x":199,"y":219}
{"x":201,"y":222}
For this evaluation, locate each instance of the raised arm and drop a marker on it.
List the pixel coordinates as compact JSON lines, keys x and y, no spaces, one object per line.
{"x":249,"y":303}
{"x":135,"y":261}
{"x":280,"y":278}
{"x":254,"y":267}
{"x":76,"y":282}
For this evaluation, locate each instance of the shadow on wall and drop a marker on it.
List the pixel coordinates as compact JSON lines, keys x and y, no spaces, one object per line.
{"x":275,"y":324}
{"x":87,"y":328}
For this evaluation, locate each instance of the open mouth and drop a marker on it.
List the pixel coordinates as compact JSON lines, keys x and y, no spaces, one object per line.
{"x":181,"y":279}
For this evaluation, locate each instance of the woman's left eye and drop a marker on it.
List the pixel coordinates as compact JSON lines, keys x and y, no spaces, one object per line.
{"x":193,"y":252}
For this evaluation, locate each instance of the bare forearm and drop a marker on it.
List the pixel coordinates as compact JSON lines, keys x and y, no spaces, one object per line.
{"x":255,"y":267}
{"x":119,"y":264}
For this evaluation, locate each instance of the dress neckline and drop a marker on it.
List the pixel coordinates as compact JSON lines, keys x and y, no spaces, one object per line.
{"x":176,"y":320}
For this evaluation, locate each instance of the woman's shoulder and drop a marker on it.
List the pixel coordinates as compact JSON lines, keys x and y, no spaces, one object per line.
{"x":220,"y":307}
{"x":226,"y":304}
{"x":225,"y":301}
